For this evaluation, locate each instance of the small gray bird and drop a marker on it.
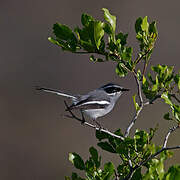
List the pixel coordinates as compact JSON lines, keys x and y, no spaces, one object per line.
{"x":96,"y":103}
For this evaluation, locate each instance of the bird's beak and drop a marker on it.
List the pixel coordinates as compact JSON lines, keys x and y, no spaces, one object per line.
{"x":124,"y":89}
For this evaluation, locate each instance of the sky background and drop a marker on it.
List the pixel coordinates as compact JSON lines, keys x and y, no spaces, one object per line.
{"x":35,"y":138}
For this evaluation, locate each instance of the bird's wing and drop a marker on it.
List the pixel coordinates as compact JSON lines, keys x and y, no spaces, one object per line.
{"x":90,"y":104}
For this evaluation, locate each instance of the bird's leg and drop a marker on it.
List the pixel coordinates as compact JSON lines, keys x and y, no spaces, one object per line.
{"x":83,"y":119}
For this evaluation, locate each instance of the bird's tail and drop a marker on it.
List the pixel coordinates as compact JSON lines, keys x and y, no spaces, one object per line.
{"x":54,"y":92}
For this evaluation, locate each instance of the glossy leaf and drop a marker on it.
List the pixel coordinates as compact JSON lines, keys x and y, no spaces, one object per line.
{"x":122,"y":37}
{"x":94,"y":155}
{"x":145,"y":24}
{"x":65,"y":37}
{"x":153,"y":28}
{"x":138,"y":23}
{"x":101,"y":135}
{"x":106,"y":146}
{"x":77,"y":161}
{"x":167,"y":98}
{"x":177,"y":80}
{"x":173,"y":173}
{"x":137,"y":175}
{"x":109,"y":169}
{"x":120,"y":70}
{"x":86,"y":19}
{"x":92,"y":58}
{"x":167,"y":116}
{"x":98,"y":32}
{"x":110,"y":19}
{"x":135,"y":103}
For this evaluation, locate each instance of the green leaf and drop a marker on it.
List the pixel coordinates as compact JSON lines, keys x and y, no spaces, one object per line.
{"x":120,"y":70}
{"x":156,"y":85}
{"x":110,"y":19}
{"x":177,"y":80}
{"x":109,"y":169}
{"x":176,"y":111}
{"x":167,"y":98}
{"x":122,"y":37}
{"x":106,"y":146}
{"x":123,"y":170}
{"x":138,"y":25}
{"x":135,"y":103}
{"x":94,"y":155}
{"x":127,"y":53}
{"x":75,"y":177}
{"x":77,"y":161}
{"x":167,"y":116}
{"x":139,"y":75}
{"x":92,"y":58}
{"x":98,"y":32}
{"x":90,"y":166}
{"x":65,"y":36}
{"x":153,"y":28}
{"x":145,"y":24}
{"x":101,"y":135}
{"x":118,"y":132}
{"x":173,"y":173}
{"x":86,"y":19}
{"x":52,"y":40}
{"x":141,"y":138}
{"x":63,"y":32}
{"x":137,"y":175}
{"x":108,"y":28}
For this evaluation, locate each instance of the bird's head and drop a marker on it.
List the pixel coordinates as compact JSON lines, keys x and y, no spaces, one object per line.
{"x":113,"y":90}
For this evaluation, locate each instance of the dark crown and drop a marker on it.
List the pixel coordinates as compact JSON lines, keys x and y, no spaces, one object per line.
{"x":111,"y":88}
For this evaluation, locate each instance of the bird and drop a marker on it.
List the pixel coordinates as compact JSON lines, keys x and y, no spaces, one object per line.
{"x":96,"y":103}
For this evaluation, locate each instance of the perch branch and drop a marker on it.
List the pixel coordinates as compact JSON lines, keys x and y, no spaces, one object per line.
{"x":83,"y":122}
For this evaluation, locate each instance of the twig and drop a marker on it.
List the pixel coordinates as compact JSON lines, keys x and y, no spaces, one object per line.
{"x":152,"y":100}
{"x":116,"y":175}
{"x":83,"y":122}
{"x":144,"y":69}
{"x":132,"y":122}
{"x":168,"y":134}
{"x":139,"y":58}
{"x":140,"y":107}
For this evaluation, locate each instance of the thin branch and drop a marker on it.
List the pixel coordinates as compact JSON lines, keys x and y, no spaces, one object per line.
{"x":116,"y":175}
{"x":144,"y":69}
{"x":83,"y":122}
{"x":139,"y":89}
{"x":168,"y":134}
{"x":140,"y":106}
{"x":132,"y":122}
{"x":140,"y":57}
{"x":152,"y":100}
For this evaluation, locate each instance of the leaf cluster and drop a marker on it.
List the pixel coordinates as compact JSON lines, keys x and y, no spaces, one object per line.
{"x":100,"y":37}
{"x":132,"y":152}
{"x":165,"y":85}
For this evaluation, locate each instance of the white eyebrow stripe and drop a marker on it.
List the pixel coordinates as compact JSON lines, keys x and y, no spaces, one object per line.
{"x":114,"y":86}
{"x":97,"y":102}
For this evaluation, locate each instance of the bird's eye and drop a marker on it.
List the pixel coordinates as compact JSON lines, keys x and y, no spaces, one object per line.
{"x":111,"y":90}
